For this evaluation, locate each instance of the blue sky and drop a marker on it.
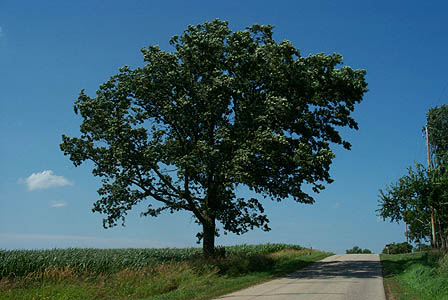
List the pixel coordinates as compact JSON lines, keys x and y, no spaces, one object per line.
{"x":50,"y":50}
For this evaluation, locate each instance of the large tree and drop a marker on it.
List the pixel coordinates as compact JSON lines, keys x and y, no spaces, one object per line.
{"x":437,"y":130}
{"x":420,"y":198}
{"x":224,"y":109}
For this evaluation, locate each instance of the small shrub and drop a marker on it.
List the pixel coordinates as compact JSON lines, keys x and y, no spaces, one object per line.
{"x":397,"y":248}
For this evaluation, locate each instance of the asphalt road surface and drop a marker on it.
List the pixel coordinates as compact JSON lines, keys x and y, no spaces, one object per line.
{"x":338,"y":277}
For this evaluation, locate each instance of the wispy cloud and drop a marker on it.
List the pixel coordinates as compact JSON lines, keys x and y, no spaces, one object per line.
{"x":57,"y":204}
{"x":44,"y":180}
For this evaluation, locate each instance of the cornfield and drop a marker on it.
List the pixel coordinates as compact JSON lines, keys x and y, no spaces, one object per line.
{"x":22,"y":262}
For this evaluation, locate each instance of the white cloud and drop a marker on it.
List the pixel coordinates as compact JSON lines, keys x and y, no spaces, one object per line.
{"x":58,"y":204}
{"x":44,"y":180}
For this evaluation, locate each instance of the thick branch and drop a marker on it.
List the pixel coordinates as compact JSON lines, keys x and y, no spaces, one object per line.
{"x":190,"y":201}
{"x":148,"y":192}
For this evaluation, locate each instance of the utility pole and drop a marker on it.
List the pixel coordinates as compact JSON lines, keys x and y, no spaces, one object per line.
{"x":434,"y":243}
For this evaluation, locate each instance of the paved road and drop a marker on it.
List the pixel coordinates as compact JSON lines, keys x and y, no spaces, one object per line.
{"x":338,"y":277}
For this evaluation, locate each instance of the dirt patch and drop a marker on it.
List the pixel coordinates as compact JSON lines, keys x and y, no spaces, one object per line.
{"x":392,"y":288}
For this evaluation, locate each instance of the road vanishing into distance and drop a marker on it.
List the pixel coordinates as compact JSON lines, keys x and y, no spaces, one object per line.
{"x":338,"y":277}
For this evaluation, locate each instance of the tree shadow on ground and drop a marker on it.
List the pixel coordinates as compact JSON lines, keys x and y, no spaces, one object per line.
{"x":339,"y":269}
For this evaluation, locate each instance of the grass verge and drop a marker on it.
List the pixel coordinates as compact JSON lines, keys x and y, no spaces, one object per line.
{"x":190,"y":279}
{"x":421,"y":275}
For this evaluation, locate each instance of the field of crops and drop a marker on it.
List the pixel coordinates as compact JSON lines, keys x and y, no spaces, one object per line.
{"x":22,"y":262}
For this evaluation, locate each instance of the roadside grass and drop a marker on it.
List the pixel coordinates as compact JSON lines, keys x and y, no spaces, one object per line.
{"x":420,"y":275}
{"x":195,"y":278}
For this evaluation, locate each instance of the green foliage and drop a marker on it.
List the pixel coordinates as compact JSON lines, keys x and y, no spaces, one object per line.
{"x":437,"y":124}
{"x":443,"y":264}
{"x":398,"y":248}
{"x":437,"y":119}
{"x":415,"y":196}
{"x":422,"y":247}
{"x":238,"y":265}
{"x":420,"y":275}
{"x":22,"y":262}
{"x":412,"y":198}
{"x":408,"y":200}
{"x":223,"y":109}
{"x":357,"y":250}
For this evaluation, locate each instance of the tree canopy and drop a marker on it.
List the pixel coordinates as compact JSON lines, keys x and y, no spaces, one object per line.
{"x":423,"y":192}
{"x":408,"y":200}
{"x":437,"y":123}
{"x":223,"y":109}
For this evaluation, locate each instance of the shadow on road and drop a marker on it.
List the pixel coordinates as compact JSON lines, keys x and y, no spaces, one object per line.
{"x":341,"y":269}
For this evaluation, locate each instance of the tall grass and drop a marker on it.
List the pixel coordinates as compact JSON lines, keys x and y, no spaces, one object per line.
{"x":421,"y":275}
{"x":18,"y":263}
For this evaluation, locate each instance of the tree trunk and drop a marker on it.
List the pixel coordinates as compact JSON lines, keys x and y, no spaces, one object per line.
{"x":431,"y":243}
{"x":433,"y":229}
{"x":208,"y":242}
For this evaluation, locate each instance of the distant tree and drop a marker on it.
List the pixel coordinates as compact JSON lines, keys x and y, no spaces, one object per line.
{"x":225,"y":109}
{"x":354,"y":250}
{"x":357,"y":250}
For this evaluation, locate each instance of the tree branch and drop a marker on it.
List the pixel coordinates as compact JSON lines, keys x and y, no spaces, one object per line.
{"x":190,"y":201}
